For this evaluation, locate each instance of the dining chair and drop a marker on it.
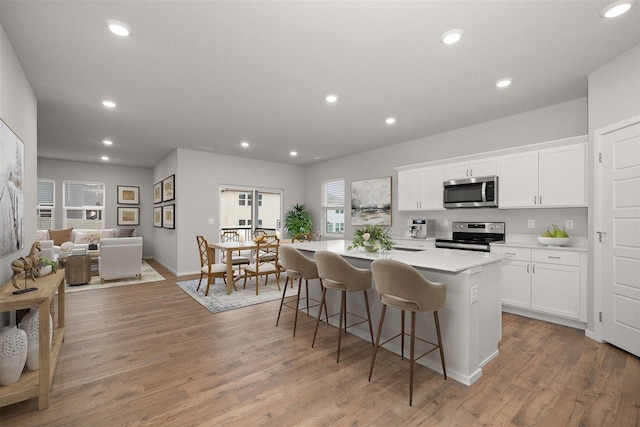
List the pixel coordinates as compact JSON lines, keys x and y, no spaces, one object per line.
{"x":265,"y":262}
{"x":401,"y":286}
{"x":337,"y":274}
{"x":238,"y":258}
{"x":207,"y":266}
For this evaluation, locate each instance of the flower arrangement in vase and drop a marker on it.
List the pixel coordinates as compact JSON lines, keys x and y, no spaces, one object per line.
{"x":372,"y":238}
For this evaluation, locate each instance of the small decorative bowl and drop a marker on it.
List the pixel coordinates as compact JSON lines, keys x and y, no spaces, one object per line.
{"x":554,"y":241}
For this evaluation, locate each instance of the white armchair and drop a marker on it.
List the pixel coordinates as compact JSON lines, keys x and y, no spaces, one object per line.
{"x":120,"y":257}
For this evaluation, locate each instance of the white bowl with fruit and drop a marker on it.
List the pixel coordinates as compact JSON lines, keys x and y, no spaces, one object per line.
{"x":554,"y":237}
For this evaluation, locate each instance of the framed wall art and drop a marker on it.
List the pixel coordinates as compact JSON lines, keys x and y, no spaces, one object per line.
{"x":168,"y":216}
{"x":128,"y":195}
{"x":157,"y":192}
{"x":157,"y":216}
{"x":128,"y":216}
{"x":12,"y":194}
{"x":371,"y":202}
{"x":168,"y":188}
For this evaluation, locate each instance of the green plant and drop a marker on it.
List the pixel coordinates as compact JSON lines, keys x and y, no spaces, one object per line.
{"x":372,"y":235}
{"x":298,"y":221}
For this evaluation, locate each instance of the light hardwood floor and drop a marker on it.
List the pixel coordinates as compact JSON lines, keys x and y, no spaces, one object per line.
{"x":150,"y":355}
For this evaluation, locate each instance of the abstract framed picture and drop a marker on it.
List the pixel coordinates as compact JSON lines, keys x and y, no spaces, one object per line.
{"x":12,"y":194}
{"x":371,"y":202}
{"x":157,"y":216}
{"x":157,"y":192}
{"x":128,"y":216}
{"x":168,"y":216}
{"x":168,"y":188}
{"x":128,"y":195}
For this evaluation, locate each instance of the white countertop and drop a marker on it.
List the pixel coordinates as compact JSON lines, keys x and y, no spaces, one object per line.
{"x":449,"y":260}
{"x":577,"y":243}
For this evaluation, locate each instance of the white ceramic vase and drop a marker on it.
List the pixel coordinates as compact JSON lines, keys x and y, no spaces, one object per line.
{"x":31,"y":325}
{"x":13,"y":354}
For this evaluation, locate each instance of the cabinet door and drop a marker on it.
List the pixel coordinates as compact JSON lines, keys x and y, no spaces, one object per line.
{"x":518,"y":180}
{"x":555,"y":289}
{"x":562,"y":176}
{"x":456,"y":170}
{"x":516,"y":283}
{"x":409,"y":190}
{"x":483,"y":167}
{"x":431,"y":188}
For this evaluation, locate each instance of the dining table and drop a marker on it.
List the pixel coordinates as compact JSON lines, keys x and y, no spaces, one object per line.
{"x":229,"y":248}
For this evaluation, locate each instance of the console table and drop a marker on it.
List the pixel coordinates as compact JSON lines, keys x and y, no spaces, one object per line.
{"x":37,"y":383}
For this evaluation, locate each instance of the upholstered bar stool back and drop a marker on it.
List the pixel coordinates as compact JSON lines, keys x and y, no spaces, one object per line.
{"x":401,"y":286}
{"x":337,"y":274}
{"x":297,"y":266}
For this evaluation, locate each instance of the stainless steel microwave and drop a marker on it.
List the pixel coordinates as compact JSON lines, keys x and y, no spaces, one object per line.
{"x":476,"y":192}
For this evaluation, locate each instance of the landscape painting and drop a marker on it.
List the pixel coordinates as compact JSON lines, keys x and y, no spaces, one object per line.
{"x":11,"y":191}
{"x":371,"y":202}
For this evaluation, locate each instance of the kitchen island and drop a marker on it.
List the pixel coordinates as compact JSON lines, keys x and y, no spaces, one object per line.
{"x":470,"y":322}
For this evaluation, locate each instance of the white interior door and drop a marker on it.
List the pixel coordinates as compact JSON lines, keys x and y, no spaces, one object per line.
{"x":619,"y":221}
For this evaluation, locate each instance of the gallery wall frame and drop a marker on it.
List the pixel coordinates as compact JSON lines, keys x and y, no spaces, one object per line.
{"x":157,"y":192}
{"x":168,"y":216}
{"x":168,"y":188}
{"x":12,"y":175}
{"x":157,"y":216}
{"x":128,"y":195}
{"x":128,"y":216}
{"x":371,"y":202}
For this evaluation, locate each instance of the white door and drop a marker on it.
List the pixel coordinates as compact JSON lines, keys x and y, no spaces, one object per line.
{"x":619,"y":220}
{"x":518,"y":185}
{"x":409,"y":190}
{"x":431,"y":188}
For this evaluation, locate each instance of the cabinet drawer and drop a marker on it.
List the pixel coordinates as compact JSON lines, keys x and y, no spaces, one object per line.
{"x":556,"y":257}
{"x":521,"y":254}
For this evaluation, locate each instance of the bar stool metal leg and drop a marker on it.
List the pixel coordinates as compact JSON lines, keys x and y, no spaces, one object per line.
{"x":377,"y":344}
{"x":322,"y":304}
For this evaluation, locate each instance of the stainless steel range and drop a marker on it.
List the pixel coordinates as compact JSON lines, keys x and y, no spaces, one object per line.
{"x":473,"y":236}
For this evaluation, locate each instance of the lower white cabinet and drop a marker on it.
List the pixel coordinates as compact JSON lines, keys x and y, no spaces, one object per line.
{"x":548,"y":281}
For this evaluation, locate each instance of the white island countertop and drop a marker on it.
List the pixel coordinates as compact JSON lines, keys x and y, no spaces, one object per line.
{"x":450,"y":260}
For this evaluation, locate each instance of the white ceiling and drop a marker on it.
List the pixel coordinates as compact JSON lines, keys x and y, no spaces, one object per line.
{"x":214,"y":73}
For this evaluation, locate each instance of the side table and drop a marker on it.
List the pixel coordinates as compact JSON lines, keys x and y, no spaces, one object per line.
{"x":78,"y":269}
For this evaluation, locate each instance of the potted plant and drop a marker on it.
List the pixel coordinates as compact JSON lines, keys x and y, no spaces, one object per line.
{"x":298,"y":221}
{"x":372,"y":238}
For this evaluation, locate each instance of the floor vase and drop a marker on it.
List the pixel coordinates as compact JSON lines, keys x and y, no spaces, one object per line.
{"x":31,"y":325}
{"x":13,"y":354}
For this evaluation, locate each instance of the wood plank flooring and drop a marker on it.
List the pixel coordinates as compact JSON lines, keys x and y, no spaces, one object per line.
{"x":149,"y":355}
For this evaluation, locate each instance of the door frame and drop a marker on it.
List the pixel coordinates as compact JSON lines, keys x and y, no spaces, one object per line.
{"x":598,"y":136}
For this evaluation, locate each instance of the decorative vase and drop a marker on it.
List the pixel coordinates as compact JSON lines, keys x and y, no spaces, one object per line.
{"x":13,"y":354}
{"x":31,"y":325}
{"x":371,"y":247}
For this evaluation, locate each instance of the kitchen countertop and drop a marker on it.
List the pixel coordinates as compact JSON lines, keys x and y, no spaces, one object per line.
{"x":449,"y":260}
{"x":577,"y":244}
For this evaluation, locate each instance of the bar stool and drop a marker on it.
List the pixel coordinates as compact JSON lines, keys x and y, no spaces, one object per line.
{"x":337,"y":274}
{"x":401,"y":286}
{"x":298,"y":267}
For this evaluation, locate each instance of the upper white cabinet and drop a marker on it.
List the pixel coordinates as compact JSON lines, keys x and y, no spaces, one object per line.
{"x":420,"y":189}
{"x":480,"y":167}
{"x":551,"y":177}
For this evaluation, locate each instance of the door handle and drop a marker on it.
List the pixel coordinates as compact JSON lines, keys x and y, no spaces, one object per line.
{"x":527,"y":268}
{"x":534,"y":269}
{"x":554,"y":257}
{"x":534,"y":199}
{"x":601,"y":235}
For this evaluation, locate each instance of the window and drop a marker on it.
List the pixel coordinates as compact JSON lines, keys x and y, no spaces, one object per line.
{"x":45,"y":218}
{"x":333,"y":206}
{"x":244,"y":199}
{"x":237,"y":210}
{"x":83,"y":204}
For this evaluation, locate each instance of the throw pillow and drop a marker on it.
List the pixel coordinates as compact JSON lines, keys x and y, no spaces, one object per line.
{"x":66,"y":247}
{"x":91,"y":238}
{"x":60,"y":236}
{"x":108,"y":232}
{"x":124,"y":232}
{"x":42,"y":235}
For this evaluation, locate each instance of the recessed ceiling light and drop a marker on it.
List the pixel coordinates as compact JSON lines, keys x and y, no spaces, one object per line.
{"x":109,"y":104}
{"x":617,"y":8}
{"x":503,"y":83}
{"x":293,"y":153}
{"x":118,"y":28}
{"x":451,"y":36}
{"x":390,"y":120}
{"x":107,"y":142}
{"x":105,"y":158}
{"x":331,"y":98}
{"x":244,"y":144}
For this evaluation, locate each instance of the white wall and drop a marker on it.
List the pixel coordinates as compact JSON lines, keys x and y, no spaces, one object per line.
{"x":112,"y":176}
{"x":18,"y":109}
{"x":198,"y":177}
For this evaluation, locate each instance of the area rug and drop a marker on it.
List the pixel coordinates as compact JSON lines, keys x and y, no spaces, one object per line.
{"x":148,"y":275}
{"x":218,"y":300}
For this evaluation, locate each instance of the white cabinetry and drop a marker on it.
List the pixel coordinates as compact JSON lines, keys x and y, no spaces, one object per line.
{"x":480,"y":167}
{"x":420,"y":189}
{"x":552,"y":177}
{"x":546,"y":281}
